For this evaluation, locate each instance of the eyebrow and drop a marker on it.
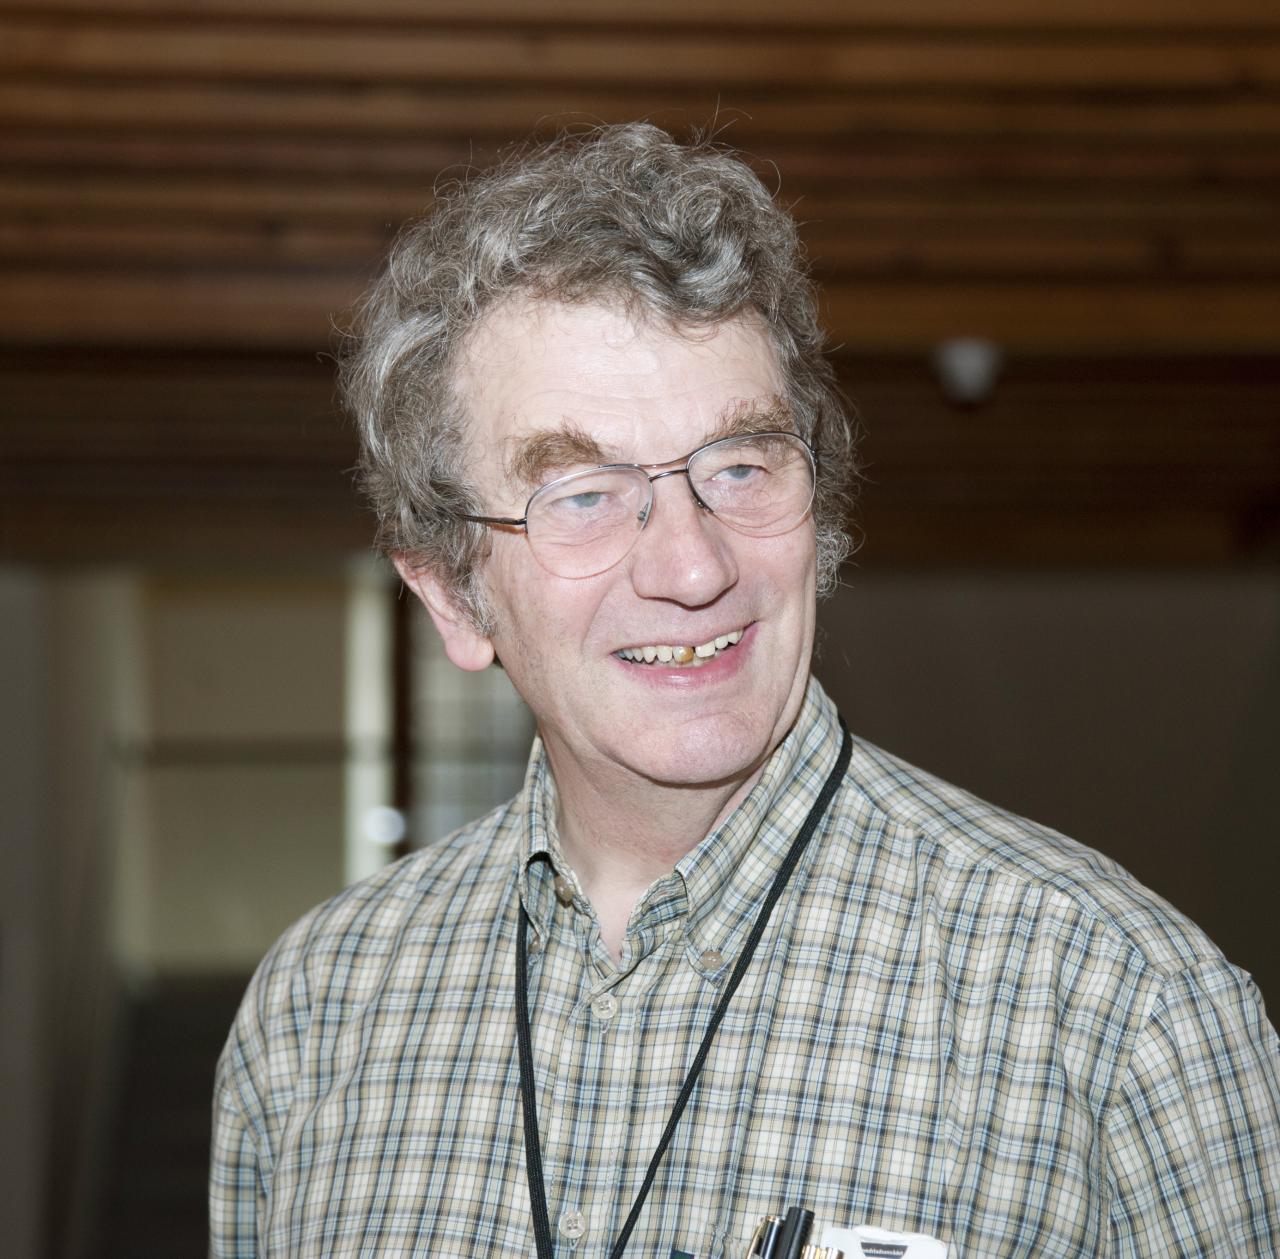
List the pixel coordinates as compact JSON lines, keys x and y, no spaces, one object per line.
{"x":770,"y":415}
{"x":531,"y":458}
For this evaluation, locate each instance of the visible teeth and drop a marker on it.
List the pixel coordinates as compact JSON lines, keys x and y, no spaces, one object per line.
{"x":681,"y":654}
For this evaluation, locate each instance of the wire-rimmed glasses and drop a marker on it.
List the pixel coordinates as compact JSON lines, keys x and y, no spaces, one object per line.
{"x":759,"y":484}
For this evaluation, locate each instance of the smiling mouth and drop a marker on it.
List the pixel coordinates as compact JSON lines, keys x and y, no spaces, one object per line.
{"x":681,"y":655}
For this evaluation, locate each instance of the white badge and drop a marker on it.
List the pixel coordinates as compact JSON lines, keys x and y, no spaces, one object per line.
{"x":865,"y":1242}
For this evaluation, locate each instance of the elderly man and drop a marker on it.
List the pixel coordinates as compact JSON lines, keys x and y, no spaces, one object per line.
{"x":717,"y":957}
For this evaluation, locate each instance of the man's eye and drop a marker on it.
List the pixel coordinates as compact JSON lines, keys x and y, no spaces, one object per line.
{"x":585,"y":501}
{"x":739,"y":472}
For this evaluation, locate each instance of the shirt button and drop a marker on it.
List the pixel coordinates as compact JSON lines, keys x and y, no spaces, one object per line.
{"x":564,"y":890}
{"x":711,"y":959}
{"x":572,"y":1225}
{"x":605,"y":1007}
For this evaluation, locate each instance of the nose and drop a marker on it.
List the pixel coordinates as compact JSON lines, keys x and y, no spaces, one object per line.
{"x":683,"y":553}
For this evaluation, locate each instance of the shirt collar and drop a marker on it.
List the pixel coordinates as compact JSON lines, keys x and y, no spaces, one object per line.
{"x":727,"y":876}
{"x":721,"y":884}
{"x":541,"y":861}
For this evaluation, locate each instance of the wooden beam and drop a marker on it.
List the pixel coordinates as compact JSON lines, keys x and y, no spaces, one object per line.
{"x":203,"y":199}
{"x":1114,"y":318}
{"x":282,"y":310}
{"x":746,"y":117}
{"x":416,"y":157}
{"x":786,"y":59}
{"x":209,"y":309}
{"x":270,"y":246}
{"x":876,"y":250}
{"x":830,"y":212}
{"x":795,"y":161}
{"x":1078,"y":251}
{"x":1159,"y":15}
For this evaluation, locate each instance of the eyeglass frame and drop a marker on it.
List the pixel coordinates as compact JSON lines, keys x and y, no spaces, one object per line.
{"x":664,"y":470}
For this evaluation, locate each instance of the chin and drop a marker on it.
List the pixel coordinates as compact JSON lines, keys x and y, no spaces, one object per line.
{"x":704,"y":753}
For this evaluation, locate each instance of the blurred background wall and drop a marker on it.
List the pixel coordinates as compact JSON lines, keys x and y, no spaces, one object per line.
{"x":216,"y":708}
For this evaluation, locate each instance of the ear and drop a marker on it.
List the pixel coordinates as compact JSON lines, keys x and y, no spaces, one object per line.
{"x":465,"y":645}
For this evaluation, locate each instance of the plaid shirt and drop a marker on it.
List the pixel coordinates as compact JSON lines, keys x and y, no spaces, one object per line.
{"x":957,"y":1023}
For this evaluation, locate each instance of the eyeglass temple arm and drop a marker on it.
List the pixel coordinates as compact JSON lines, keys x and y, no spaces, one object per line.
{"x":494,"y":520}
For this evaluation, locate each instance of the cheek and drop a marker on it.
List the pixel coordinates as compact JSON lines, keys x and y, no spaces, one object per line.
{"x":540,"y":618}
{"x":787,"y":563}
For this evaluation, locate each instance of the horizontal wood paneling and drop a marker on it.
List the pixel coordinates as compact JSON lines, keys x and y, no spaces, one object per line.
{"x":749,"y":117}
{"x":1039,"y":64}
{"x":198,"y":189}
{"x":1119,"y":161}
{"x":1188,"y":15}
{"x":1068,"y":318}
{"x":219,"y":309}
{"x":829,"y":207}
{"x":229,"y":308}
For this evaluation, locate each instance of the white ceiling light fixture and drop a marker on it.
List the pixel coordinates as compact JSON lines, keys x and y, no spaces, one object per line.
{"x":967,"y":369}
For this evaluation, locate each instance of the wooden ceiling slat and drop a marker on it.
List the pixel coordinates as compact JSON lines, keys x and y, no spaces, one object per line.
{"x":856,"y":250}
{"x":839,"y":209}
{"x":757,"y":117}
{"x":785,"y":59}
{"x":1103,"y":15}
{"x":1002,"y":159}
{"x":104,"y":244}
{"x":71,"y":197}
{"x":223,"y":309}
{"x":1170,"y":162}
{"x":229,"y":308}
{"x":1253,"y":252}
{"x":197,"y":188}
{"x":1067,"y":317}
{"x":197,"y":199}
{"x":864,"y":250}
{"x":252,"y":155}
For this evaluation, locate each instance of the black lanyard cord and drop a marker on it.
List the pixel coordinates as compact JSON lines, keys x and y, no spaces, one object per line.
{"x":529,"y":1103}
{"x":524,"y":1039}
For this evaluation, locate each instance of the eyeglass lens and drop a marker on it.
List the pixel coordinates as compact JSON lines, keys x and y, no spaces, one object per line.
{"x":583,"y":523}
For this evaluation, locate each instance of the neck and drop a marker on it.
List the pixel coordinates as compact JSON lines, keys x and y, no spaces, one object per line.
{"x":620,"y":836}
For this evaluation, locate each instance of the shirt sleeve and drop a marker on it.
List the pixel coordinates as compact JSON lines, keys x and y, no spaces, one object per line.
{"x":238,"y":1168}
{"x":1194,"y":1134}
{"x":241,"y":1157}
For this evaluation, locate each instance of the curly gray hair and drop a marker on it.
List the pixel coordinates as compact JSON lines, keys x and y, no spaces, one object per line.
{"x":686,"y":233}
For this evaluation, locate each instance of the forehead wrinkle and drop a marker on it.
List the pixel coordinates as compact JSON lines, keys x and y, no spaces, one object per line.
{"x":531,"y":457}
